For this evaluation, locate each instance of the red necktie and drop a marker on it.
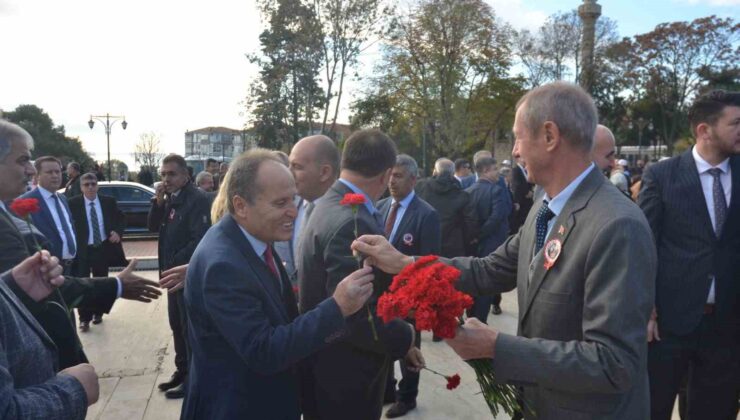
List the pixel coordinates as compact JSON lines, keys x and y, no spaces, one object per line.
{"x":270,"y":261}
{"x":391,"y":220}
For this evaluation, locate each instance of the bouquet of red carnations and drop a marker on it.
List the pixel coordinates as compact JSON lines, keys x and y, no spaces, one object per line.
{"x":426,"y":291}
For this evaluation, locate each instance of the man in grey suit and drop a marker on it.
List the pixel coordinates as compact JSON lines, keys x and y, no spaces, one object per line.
{"x":347,"y":379}
{"x":583,"y":265}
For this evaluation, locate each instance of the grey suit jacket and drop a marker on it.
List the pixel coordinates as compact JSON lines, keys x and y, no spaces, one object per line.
{"x":581,"y":349}
{"x":29,"y":385}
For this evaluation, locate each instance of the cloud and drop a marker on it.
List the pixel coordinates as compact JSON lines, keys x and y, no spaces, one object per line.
{"x":6,"y":8}
{"x":715,"y":2}
{"x":517,"y":14}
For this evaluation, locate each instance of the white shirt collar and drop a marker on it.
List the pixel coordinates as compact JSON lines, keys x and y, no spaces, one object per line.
{"x":406,"y":200}
{"x":557,"y":203}
{"x":355,"y":189}
{"x":45,"y":193}
{"x":87,"y":201}
{"x":703,"y":166}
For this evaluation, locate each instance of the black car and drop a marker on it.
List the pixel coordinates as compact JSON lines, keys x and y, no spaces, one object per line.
{"x":133,"y":200}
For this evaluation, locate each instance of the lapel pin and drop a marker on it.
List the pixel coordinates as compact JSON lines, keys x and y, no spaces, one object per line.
{"x":408,"y":239}
{"x":552,"y":252}
{"x":172,"y":214}
{"x":561,"y":230}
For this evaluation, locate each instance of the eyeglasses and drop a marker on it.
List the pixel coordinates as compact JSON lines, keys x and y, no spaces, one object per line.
{"x":89,"y":184}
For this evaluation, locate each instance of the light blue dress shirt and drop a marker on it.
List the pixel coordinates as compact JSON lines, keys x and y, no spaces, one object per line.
{"x":403,"y":205}
{"x":557,"y":203}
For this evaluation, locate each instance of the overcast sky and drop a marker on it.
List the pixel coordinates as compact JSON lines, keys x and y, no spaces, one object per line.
{"x":171,"y":66}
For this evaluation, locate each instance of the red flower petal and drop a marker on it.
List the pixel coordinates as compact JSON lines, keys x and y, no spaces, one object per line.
{"x":453,"y":381}
{"x":352,"y":199}
{"x":24,"y":206}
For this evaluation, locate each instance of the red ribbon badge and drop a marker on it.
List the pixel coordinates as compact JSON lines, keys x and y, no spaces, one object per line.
{"x":552,"y":252}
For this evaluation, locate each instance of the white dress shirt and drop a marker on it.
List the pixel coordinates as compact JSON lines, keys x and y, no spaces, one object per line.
{"x":101,"y":226}
{"x":58,"y":220}
{"x":707,"y":184}
{"x":557,"y":203}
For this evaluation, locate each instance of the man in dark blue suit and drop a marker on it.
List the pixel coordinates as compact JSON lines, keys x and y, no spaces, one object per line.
{"x":55,"y":219}
{"x":412,"y":227}
{"x":492,"y":203}
{"x":244,"y":329}
{"x":692,"y":203}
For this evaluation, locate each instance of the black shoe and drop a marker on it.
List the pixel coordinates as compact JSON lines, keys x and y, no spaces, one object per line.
{"x":389,"y":398}
{"x":399,"y":409}
{"x":176,"y":392}
{"x":175,"y":381}
{"x":84,"y":326}
{"x":496,"y":310}
{"x":97,"y":319}
{"x":436,"y":339}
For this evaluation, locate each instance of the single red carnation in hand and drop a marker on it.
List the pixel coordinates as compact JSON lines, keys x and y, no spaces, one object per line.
{"x":352,"y":199}
{"x":25,"y":206}
{"x":453,"y":381}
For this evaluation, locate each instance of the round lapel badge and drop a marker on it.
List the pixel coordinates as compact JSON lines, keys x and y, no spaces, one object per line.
{"x":408,"y":239}
{"x":552,"y":252}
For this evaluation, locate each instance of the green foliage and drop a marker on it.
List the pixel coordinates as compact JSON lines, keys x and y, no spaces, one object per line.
{"x":48,"y":138}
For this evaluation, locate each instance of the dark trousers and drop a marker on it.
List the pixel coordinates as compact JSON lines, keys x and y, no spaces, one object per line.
{"x":709,"y":358}
{"x":408,"y":387}
{"x":96,"y":264}
{"x":179,"y":324}
{"x":482,"y":306}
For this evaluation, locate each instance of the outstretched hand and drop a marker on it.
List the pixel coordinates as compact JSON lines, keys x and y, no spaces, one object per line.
{"x":136,"y":287}
{"x":380,"y":253}
{"x":38,"y":275}
{"x":474,"y":340}
{"x":174,"y":278}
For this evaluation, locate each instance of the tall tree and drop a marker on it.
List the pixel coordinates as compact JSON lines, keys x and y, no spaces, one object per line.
{"x":286,"y":98}
{"x":669,"y":62}
{"x":148,"y":152}
{"x":349,"y":26}
{"x":48,"y":138}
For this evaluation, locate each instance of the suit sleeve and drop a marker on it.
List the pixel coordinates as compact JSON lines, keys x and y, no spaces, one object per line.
{"x":12,"y":247}
{"x":500,"y":210}
{"x":199,"y":220}
{"x":154,"y":218}
{"x":650,"y":201}
{"x":470,"y":224}
{"x":238,"y":313}
{"x":618,"y":298}
{"x":490,"y":275}
{"x":118,"y":219}
{"x":430,"y":242}
{"x":61,"y":397}
{"x":98,"y":293}
{"x":394,"y":338}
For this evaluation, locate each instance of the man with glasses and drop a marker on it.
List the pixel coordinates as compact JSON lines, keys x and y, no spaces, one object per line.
{"x":180,"y":212}
{"x":98,"y":226}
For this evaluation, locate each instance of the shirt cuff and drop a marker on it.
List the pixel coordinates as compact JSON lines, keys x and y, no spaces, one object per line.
{"x":119,"y":293}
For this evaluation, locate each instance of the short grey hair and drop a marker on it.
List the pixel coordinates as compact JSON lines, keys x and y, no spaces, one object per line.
{"x":408,"y":163}
{"x":444,"y":166}
{"x":565,"y":104}
{"x":242,"y":175}
{"x":201,"y":176}
{"x":479,"y":155}
{"x":484,"y":163}
{"x":9,"y":133}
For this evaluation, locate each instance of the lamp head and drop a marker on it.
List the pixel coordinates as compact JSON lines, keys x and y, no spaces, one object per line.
{"x":124,"y":124}
{"x":91,"y":123}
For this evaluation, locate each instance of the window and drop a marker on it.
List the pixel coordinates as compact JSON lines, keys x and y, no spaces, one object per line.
{"x":133,"y":194}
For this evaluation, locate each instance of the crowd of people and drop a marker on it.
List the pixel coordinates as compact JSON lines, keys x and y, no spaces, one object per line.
{"x":627,"y":278}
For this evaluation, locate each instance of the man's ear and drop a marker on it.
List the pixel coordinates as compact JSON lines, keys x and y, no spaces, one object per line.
{"x":703,"y":132}
{"x":325,"y":172}
{"x":552,"y":135}
{"x":241,"y":207}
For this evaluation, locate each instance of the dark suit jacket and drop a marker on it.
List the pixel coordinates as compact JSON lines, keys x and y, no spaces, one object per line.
{"x":493,"y":206}
{"x":245,"y":335}
{"x":181,"y":222}
{"x":29,"y":385}
{"x":347,"y":379}
{"x":522,"y":193}
{"x":689,"y":252}
{"x":113,"y":220}
{"x":456,"y":214}
{"x":73,"y":189}
{"x":45,"y":222}
{"x":420,"y":224}
{"x":53,"y":313}
{"x":466,"y":182}
{"x":581,"y":348}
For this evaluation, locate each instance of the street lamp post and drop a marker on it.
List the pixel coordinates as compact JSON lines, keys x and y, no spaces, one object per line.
{"x":109,"y":121}
{"x":641,"y":124}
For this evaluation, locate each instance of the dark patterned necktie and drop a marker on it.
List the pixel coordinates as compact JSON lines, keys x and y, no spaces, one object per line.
{"x":544,"y":214}
{"x":391,"y":219}
{"x":65,"y":227}
{"x":720,"y":202}
{"x":95,"y":225}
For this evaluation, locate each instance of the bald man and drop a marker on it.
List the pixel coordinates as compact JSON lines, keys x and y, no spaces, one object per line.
{"x":604,"y":149}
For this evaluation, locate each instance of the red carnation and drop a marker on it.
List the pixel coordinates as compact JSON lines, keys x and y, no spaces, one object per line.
{"x":352,"y":199}
{"x":426,"y":288}
{"x":23,"y":207}
{"x":453,"y":381}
